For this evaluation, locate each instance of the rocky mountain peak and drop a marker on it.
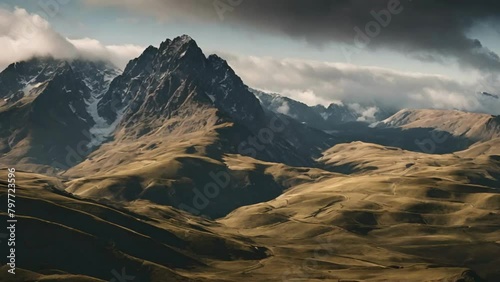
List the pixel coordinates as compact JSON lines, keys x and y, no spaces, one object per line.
{"x":181,"y":47}
{"x":217,"y":62}
{"x":163,"y":79}
{"x":136,"y":66}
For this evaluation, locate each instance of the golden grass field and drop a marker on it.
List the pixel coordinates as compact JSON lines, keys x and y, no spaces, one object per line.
{"x":366,"y":213}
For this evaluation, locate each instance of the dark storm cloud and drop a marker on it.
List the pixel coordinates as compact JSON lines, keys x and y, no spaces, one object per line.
{"x":426,"y":30}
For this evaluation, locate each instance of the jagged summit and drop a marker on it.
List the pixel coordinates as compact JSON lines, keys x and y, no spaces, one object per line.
{"x":150,"y":49}
{"x":180,"y":47}
{"x":157,"y":76}
{"x":182,"y":40}
{"x":185,"y":38}
{"x":166,"y":57}
{"x":216,"y":60}
{"x":179,"y":40}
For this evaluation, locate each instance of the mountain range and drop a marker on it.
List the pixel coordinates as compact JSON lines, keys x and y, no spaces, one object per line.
{"x":173,"y":169}
{"x":319,"y":116}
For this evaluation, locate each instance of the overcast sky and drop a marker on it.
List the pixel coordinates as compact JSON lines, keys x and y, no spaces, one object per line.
{"x":413,"y":54}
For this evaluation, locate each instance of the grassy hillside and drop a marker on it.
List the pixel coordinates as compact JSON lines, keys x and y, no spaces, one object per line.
{"x":64,"y":238}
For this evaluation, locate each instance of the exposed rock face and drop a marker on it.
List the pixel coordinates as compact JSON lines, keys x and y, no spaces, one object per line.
{"x":163,"y":79}
{"x":45,"y":114}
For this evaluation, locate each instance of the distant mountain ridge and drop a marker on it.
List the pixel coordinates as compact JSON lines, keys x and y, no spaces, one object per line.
{"x":474,"y":126}
{"x":319,"y":116}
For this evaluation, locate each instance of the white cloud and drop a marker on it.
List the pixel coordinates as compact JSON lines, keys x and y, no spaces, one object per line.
{"x":315,"y":82}
{"x":119,"y":55}
{"x":366,"y":114}
{"x":306,"y":96}
{"x":284,"y":108}
{"x":24,"y":35}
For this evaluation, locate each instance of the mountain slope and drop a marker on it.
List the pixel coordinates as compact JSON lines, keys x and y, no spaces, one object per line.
{"x":45,"y":116}
{"x":473,"y":126}
{"x":81,"y":240}
{"x":396,"y":216}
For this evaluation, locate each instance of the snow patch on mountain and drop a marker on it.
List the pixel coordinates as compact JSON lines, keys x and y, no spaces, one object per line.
{"x":102,"y":130}
{"x":30,"y":86}
{"x":212,"y":97}
{"x":72,"y":108}
{"x":325,"y":115}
